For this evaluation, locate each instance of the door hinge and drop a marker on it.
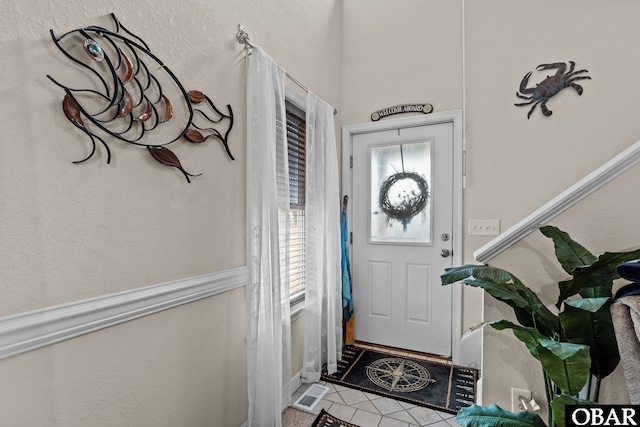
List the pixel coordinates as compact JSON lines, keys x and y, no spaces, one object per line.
{"x":351,"y":162}
{"x":351,"y":237}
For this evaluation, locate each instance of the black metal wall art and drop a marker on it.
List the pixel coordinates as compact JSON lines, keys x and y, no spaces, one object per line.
{"x":128,"y":93}
{"x":550,"y":86}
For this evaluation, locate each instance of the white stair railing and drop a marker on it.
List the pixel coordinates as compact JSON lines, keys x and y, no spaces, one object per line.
{"x":587,"y":185}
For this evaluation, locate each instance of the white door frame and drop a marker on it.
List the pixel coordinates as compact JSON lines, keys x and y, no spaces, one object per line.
{"x":454,"y":117}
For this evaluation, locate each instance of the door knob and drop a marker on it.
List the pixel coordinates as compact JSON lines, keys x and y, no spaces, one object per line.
{"x":445,"y":253}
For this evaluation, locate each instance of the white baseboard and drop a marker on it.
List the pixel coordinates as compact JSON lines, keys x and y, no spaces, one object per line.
{"x":296,"y":382}
{"x":471,"y":347}
{"x":479,"y":392}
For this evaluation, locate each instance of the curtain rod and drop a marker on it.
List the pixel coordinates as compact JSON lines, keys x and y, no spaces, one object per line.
{"x":243,"y":38}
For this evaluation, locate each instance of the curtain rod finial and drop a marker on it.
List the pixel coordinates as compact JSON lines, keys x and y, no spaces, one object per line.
{"x":243,"y":37}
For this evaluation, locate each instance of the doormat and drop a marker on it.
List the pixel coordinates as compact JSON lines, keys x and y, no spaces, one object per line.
{"x":434,"y":385}
{"x":325,"y":419}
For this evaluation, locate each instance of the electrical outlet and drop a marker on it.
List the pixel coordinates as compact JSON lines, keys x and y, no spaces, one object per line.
{"x":484,"y":227}
{"x":516,"y":394}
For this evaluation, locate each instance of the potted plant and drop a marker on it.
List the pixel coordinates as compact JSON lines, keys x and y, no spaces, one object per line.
{"x":577,"y":348}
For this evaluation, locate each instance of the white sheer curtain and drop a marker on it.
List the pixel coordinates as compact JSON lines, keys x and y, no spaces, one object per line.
{"x":269,"y":319}
{"x":323,"y":297}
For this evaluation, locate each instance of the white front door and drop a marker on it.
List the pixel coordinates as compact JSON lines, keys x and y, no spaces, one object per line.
{"x":402,"y":224}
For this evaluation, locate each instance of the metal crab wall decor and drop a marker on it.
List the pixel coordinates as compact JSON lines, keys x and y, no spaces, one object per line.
{"x":128,"y":93}
{"x":550,"y":86}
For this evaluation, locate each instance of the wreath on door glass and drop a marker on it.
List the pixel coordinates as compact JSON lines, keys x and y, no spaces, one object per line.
{"x":409,"y":204}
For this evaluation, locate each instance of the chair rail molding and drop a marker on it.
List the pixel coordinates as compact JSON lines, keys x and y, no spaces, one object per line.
{"x":578,"y":191}
{"x":31,"y":330}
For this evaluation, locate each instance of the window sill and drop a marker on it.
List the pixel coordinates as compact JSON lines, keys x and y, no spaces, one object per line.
{"x":297,"y":309}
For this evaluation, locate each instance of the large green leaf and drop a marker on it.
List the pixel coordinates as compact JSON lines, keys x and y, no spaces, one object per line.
{"x":596,"y":280}
{"x":528,"y":336}
{"x":559,"y":403}
{"x":570,"y":253}
{"x":588,"y":321}
{"x":506,"y":287}
{"x":495,"y":416}
{"x":506,"y":292}
{"x":493,"y":274}
{"x":567,"y":364}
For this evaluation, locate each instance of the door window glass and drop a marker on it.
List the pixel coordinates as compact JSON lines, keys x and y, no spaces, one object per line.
{"x":400,"y":197}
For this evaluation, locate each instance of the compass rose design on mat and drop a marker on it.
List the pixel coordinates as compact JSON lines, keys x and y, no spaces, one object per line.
{"x":399,"y":375}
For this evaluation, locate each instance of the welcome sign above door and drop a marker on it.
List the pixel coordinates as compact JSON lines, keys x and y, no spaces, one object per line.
{"x":399,"y":109}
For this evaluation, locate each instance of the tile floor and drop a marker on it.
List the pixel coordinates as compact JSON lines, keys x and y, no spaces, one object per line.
{"x":370,"y":410}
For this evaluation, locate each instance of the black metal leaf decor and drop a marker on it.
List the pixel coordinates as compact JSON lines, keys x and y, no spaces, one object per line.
{"x":131,"y":95}
{"x":167,"y":157}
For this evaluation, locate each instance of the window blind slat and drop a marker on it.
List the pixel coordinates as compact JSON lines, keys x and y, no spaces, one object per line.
{"x":296,"y":129}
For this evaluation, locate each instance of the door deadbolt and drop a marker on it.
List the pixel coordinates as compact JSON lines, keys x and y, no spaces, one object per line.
{"x":445,"y":253}
{"x":445,"y":237}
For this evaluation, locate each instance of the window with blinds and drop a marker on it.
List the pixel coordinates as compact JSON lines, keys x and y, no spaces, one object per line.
{"x":296,"y":142}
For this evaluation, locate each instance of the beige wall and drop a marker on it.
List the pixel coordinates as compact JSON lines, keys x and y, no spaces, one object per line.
{"x":514,"y":165}
{"x":406,"y":52}
{"x":180,"y":367}
{"x":297,"y":345}
{"x":62,"y":219}
{"x":71,"y":232}
{"x":412,"y":51}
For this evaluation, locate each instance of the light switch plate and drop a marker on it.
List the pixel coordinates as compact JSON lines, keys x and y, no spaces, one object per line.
{"x":484,"y":227}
